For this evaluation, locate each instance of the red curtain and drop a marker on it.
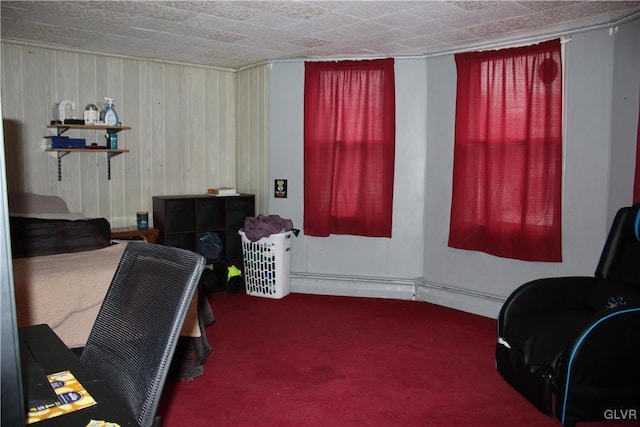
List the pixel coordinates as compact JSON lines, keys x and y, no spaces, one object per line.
{"x":349,"y":147}
{"x":507,"y":174}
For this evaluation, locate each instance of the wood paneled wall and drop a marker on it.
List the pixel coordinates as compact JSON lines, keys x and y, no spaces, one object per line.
{"x":183,"y":137}
{"x":252,"y":138}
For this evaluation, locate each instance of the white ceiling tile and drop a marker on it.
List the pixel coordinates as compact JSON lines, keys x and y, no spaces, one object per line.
{"x":487,"y":30}
{"x":234,"y":34}
{"x":405,"y":20}
{"x":140,"y":8}
{"x":299,"y":10}
{"x":12,"y":11}
{"x":436,"y":10}
{"x":353,"y":32}
{"x":310,"y":42}
{"x":322,"y":23}
{"x":53,"y":34}
{"x":542,"y":5}
{"x":534,"y":20}
{"x":272,"y":20}
{"x":211,"y":22}
{"x":225,"y":9}
{"x":418,"y":42}
{"x":453,"y":36}
{"x":377,"y":9}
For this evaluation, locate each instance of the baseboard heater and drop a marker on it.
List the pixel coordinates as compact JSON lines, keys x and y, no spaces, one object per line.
{"x":344,"y":285}
{"x":481,"y":303}
{"x":416,"y":289}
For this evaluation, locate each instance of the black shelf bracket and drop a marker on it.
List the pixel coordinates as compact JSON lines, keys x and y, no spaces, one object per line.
{"x":62,"y":129}
{"x":61,"y":154}
{"x":109,"y":156}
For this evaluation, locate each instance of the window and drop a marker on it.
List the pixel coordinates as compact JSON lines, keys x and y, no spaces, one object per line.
{"x":349,"y":147}
{"x":507,"y":174}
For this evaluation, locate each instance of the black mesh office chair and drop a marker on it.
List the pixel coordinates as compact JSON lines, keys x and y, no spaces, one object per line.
{"x":573,"y":342}
{"x":135,"y":334}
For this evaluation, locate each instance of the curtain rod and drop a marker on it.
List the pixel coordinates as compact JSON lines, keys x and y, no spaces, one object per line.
{"x":488,"y":46}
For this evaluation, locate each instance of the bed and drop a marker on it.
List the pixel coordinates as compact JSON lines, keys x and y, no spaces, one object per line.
{"x":63,"y":264}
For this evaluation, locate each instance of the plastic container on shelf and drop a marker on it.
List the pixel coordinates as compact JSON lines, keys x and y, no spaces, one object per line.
{"x":110,"y":115}
{"x":267,"y":265}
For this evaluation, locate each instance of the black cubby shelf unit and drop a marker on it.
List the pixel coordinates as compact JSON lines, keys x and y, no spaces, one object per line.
{"x":184,"y":219}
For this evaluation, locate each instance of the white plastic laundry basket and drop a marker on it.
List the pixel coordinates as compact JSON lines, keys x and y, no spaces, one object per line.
{"x":267,"y":265}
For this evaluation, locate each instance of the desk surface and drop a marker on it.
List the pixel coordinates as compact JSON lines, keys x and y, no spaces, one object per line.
{"x":54,"y":356}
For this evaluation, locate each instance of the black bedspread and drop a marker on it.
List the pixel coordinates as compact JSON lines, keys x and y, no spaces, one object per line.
{"x":35,"y":237}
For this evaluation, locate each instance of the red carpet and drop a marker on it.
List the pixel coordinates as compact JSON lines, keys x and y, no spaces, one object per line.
{"x":310,"y":360}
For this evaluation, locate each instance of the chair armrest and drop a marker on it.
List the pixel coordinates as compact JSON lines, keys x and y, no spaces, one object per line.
{"x":548,"y":294}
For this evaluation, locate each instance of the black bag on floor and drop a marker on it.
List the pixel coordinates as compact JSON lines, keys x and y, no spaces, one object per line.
{"x":208,"y":280}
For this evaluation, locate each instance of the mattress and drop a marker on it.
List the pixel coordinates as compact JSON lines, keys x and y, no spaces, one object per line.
{"x":66,"y":290}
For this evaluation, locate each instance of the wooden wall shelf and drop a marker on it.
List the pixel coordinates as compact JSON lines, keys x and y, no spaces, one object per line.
{"x":61,"y":152}
{"x":62,"y":128}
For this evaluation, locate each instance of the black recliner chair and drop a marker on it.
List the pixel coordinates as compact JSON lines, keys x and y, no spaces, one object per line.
{"x":574,"y":342}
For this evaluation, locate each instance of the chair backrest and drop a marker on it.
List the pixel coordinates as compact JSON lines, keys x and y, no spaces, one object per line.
{"x":134,"y":337}
{"x":620,"y":259}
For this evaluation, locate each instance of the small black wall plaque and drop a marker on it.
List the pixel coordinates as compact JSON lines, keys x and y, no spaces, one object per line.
{"x":280,"y":189}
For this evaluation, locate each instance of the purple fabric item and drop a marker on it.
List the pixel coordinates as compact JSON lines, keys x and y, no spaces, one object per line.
{"x":255,"y":228}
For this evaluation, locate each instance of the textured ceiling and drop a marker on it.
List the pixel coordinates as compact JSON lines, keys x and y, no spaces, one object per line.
{"x":237,"y":34}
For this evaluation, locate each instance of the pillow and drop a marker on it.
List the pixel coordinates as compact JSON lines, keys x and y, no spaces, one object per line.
{"x":72,"y":216}
{"x":36,"y":203}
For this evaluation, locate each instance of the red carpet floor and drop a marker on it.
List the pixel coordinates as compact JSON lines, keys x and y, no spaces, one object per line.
{"x":309,"y":360}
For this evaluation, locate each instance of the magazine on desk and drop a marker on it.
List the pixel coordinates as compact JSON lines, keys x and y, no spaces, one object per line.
{"x":72,"y":396}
